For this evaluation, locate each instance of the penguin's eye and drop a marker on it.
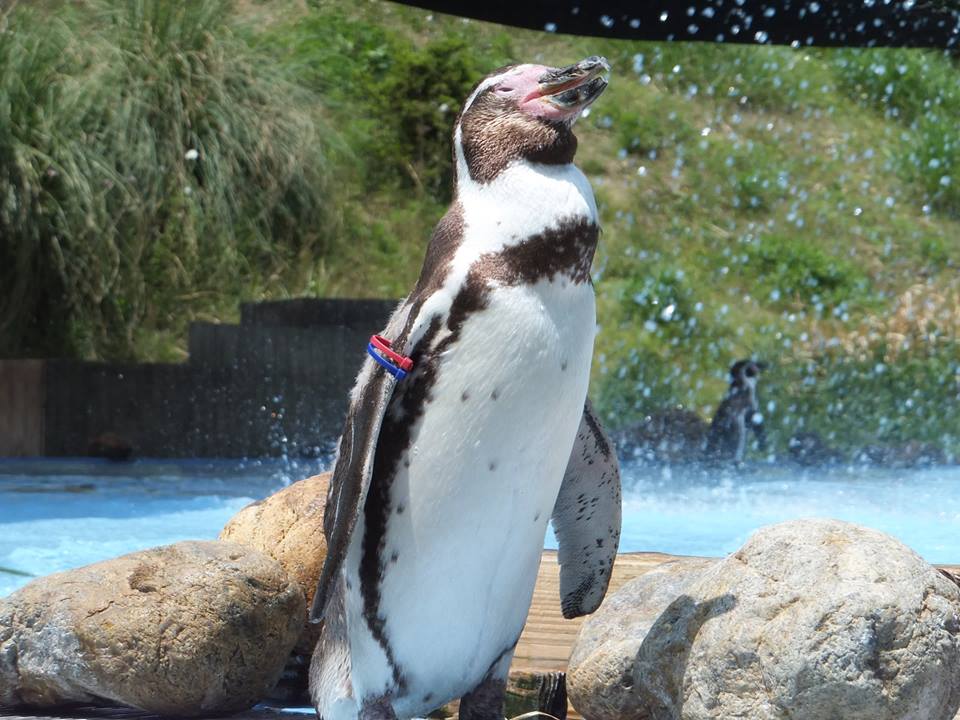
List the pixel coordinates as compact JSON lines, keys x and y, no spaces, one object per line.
{"x":504,"y":90}
{"x":751,"y":372}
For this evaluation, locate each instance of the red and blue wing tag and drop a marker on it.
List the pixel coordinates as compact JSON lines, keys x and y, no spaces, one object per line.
{"x":380,"y":349}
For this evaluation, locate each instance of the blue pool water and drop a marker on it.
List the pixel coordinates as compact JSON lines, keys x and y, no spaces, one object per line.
{"x":63,"y":514}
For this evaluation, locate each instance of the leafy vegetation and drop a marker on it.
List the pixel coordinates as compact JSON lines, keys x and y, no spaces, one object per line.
{"x":151,"y":166}
{"x":767,"y":201}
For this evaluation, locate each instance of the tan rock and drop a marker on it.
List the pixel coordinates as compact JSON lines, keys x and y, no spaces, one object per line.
{"x":186,"y":629}
{"x":288,"y":526}
{"x":809,"y":620}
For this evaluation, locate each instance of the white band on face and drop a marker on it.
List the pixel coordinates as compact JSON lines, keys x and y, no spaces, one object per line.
{"x":490,"y":82}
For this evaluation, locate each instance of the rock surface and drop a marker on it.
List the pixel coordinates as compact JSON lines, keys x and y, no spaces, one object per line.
{"x":600,"y":673}
{"x":288,"y":526}
{"x":185,"y":629}
{"x":809,"y":620}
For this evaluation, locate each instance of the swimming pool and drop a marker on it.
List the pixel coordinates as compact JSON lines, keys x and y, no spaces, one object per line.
{"x":55,"y":515}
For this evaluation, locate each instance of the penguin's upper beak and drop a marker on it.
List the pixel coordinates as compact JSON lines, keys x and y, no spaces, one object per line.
{"x":574,"y":87}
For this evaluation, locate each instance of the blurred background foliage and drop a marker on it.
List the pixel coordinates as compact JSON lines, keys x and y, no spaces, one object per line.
{"x":162,"y":161}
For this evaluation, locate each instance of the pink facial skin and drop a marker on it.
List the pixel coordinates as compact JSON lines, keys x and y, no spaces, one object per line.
{"x":524,"y":87}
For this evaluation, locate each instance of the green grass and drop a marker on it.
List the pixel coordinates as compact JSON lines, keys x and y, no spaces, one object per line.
{"x":153,"y":168}
{"x":755,"y":200}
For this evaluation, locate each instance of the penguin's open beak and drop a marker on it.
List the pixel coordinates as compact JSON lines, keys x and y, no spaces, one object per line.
{"x":574,"y":87}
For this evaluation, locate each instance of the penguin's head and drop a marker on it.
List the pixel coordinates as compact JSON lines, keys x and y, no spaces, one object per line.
{"x":524,"y":112}
{"x":745,"y":373}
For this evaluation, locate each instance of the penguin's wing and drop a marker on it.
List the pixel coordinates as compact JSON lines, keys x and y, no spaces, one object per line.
{"x":353,"y":466}
{"x":586,"y":518}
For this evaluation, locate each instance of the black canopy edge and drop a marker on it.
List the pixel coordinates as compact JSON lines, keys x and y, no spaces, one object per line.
{"x":827,"y":23}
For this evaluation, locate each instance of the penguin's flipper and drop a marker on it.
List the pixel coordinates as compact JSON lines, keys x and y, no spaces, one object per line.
{"x":353,"y":467}
{"x":586,"y":518}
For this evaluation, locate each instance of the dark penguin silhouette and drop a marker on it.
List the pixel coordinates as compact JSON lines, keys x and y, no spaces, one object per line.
{"x":738,"y":413}
{"x":445,"y":480}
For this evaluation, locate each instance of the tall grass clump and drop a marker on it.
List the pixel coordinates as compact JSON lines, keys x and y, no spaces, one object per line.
{"x":151,"y":163}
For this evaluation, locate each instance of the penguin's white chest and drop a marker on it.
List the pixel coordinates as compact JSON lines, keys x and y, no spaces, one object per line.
{"x":472,"y":496}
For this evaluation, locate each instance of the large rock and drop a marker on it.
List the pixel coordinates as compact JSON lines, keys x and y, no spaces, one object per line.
{"x":601,"y":668}
{"x":288,"y":526}
{"x":185,"y":629}
{"x":809,"y":620}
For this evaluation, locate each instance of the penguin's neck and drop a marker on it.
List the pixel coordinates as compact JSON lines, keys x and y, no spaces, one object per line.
{"x":525,"y":199}
{"x":746,"y":391}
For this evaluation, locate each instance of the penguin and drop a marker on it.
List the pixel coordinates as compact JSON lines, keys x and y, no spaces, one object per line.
{"x":457,"y":450}
{"x":739,"y":412}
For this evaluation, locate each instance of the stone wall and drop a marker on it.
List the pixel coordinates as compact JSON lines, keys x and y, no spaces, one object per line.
{"x":275,"y":384}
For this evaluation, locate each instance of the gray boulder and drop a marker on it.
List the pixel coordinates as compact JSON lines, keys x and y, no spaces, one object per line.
{"x":809,"y":620}
{"x":600,"y":674}
{"x":185,"y":629}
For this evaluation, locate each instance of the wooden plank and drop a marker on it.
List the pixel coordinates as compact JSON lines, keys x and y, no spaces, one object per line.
{"x":22,"y":400}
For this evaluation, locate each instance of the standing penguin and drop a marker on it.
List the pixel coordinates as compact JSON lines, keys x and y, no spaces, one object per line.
{"x":445,"y":479}
{"x":739,"y":412}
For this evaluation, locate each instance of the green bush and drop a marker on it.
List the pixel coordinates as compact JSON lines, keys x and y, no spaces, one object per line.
{"x":859,"y":402}
{"x":395,"y":101}
{"x":792,"y":271}
{"x":918,"y":89}
{"x":147,"y":159}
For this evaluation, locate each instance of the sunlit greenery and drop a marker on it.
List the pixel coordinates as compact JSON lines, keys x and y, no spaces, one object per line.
{"x":759,"y":201}
{"x":152,"y":166}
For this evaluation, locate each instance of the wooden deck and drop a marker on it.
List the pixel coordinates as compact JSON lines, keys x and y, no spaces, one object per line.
{"x":544,"y":645}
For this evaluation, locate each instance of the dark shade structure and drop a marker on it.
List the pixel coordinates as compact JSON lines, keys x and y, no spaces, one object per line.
{"x":829,"y":23}
{"x":275,"y":384}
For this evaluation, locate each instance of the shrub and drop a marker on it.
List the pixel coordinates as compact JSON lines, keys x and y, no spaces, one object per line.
{"x":147,"y":158}
{"x":795,"y":271}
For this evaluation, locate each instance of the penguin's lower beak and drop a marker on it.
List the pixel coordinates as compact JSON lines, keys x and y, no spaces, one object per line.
{"x":574,"y":87}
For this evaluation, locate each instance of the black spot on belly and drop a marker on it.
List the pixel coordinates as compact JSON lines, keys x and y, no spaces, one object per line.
{"x":428,"y":697}
{"x":536,"y":517}
{"x":495,"y":394}
{"x":400,"y":509}
{"x":492,"y":465}
{"x":465,"y":395}
{"x":563,"y":366}
{"x":394,"y":556}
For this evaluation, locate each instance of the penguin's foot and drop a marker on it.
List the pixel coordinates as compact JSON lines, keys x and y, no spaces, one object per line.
{"x":378,"y":709}
{"x":552,"y":699}
{"x":485,"y":701}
